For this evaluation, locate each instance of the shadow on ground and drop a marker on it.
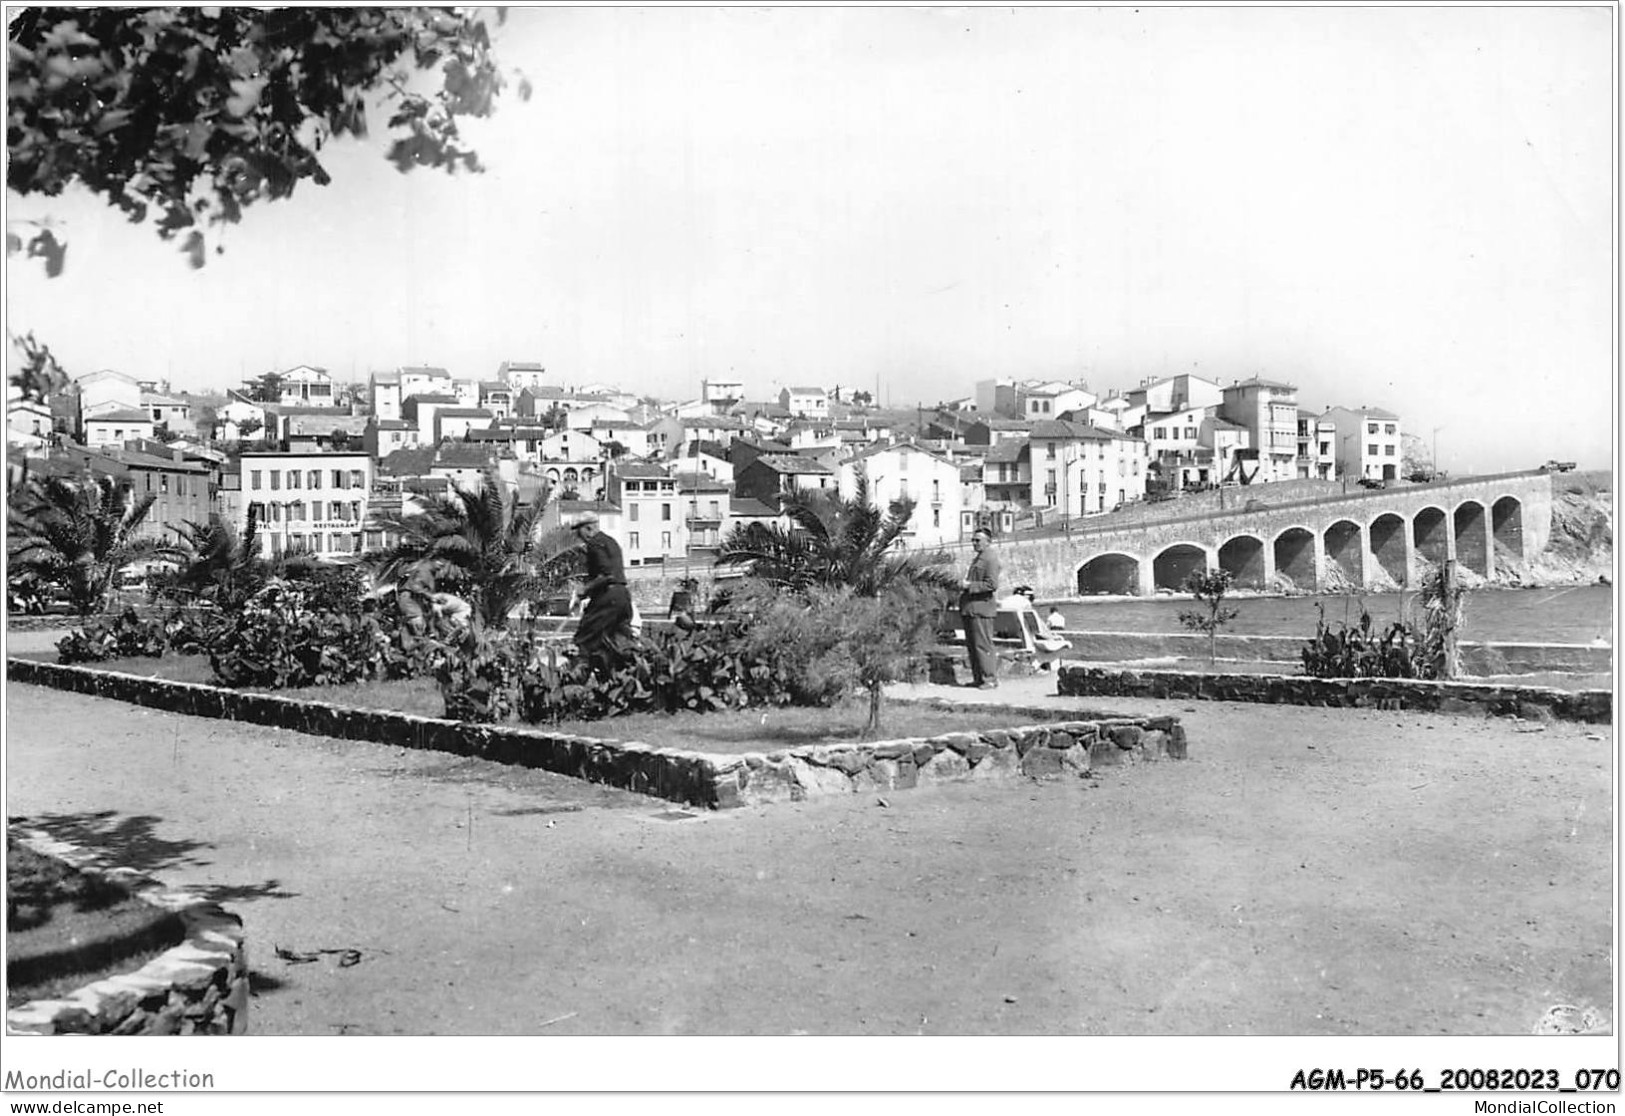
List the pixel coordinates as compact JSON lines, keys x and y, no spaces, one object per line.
{"x":131,"y":841}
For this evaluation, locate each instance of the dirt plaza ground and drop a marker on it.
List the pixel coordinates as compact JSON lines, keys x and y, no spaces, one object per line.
{"x":1305,"y":872}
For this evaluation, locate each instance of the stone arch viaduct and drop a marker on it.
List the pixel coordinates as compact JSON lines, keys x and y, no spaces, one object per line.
{"x":1370,"y":538}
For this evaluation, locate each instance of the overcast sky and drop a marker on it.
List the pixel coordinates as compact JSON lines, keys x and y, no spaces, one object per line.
{"x":1397,"y":207}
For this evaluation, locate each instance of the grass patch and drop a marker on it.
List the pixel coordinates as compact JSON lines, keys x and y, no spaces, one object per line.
{"x":67,"y":929}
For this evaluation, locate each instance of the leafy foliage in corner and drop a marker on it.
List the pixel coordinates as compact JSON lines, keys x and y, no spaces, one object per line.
{"x":1361,"y":651}
{"x":35,"y":372}
{"x":126,"y":636}
{"x":198,"y":113}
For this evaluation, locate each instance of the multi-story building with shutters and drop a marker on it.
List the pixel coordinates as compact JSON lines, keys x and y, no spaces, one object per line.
{"x":310,"y":502}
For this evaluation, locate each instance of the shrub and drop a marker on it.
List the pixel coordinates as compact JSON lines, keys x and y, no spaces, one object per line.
{"x":702,"y":670}
{"x":192,"y":631}
{"x":279,"y":641}
{"x":827,"y":641}
{"x":478,"y":676}
{"x":126,"y":636}
{"x":1361,"y":652}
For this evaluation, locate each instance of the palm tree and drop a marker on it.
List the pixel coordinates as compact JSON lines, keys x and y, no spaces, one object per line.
{"x":76,"y":533}
{"x":482,"y":547}
{"x":864,"y":608}
{"x":219,"y":563}
{"x":835,"y":541}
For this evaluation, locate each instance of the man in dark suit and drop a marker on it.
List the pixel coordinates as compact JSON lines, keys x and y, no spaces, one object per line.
{"x":604,"y":635}
{"x":978,"y":605}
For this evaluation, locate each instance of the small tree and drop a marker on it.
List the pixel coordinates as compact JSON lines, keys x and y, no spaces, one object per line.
{"x":884,"y":636}
{"x":831,"y":640}
{"x":1209,"y":587}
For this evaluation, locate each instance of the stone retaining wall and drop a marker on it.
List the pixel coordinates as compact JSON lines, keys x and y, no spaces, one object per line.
{"x":1477,"y":658}
{"x":1484,"y":699}
{"x":695,"y":778}
{"x":1038,"y":751}
{"x":200,"y":987}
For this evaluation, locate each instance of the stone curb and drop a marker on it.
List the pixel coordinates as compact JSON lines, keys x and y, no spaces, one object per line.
{"x":1532,"y":703}
{"x":199,"y":987}
{"x":694,"y":778}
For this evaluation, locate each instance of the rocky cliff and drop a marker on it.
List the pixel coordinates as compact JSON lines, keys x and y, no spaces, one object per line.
{"x":1581,"y":548}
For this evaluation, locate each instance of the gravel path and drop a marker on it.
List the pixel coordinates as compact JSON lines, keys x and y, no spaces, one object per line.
{"x":1306,"y":872}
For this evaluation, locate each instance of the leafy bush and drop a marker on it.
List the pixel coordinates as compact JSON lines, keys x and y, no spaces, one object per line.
{"x":327,"y":588}
{"x":126,"y":636}
{"x":192,"y":631}
{"x":709,"y":668}
{"x":279,"y":640}
{"x":1361,"y":652}
{"x":478,"y":676}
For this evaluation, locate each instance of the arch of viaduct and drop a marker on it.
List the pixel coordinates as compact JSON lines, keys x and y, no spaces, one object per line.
{"x":1370,"y":538}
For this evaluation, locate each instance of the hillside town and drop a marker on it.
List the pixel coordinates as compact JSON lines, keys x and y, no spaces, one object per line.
{"x":320,"y":466}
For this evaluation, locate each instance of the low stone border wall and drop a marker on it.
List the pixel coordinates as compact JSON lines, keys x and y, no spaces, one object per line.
{"x":1072,"y":747}
{"x":694,"y":778}
{"x":1476,"y":658}
{"x":1484,"y":699}
{"x":199,"y":987}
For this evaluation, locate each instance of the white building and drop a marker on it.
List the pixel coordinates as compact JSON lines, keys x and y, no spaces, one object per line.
{"x":386,"y":395}
{"x":1051,"y":399}
{"x":452,"y":423}
{"x":653,"y":524}
{"x":114,"y":428}
{"x":107,"y":390}
{"x":1177,"y":434}
{"x":1268,"y":409}
{"x":906,"y":471}
{"x":720,"y":393}
{"x":28,"y":421}
{"x":632,"y":437}
{"x":1081,"y":470}
{"x":1368,"y":442}
{"x":305,"y":385}
{"x":312,"y":502}
{"x":583,"y":416}
{"x":805,"y":402}
{"x":521,"y":374}
{"x":424,"y":380}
